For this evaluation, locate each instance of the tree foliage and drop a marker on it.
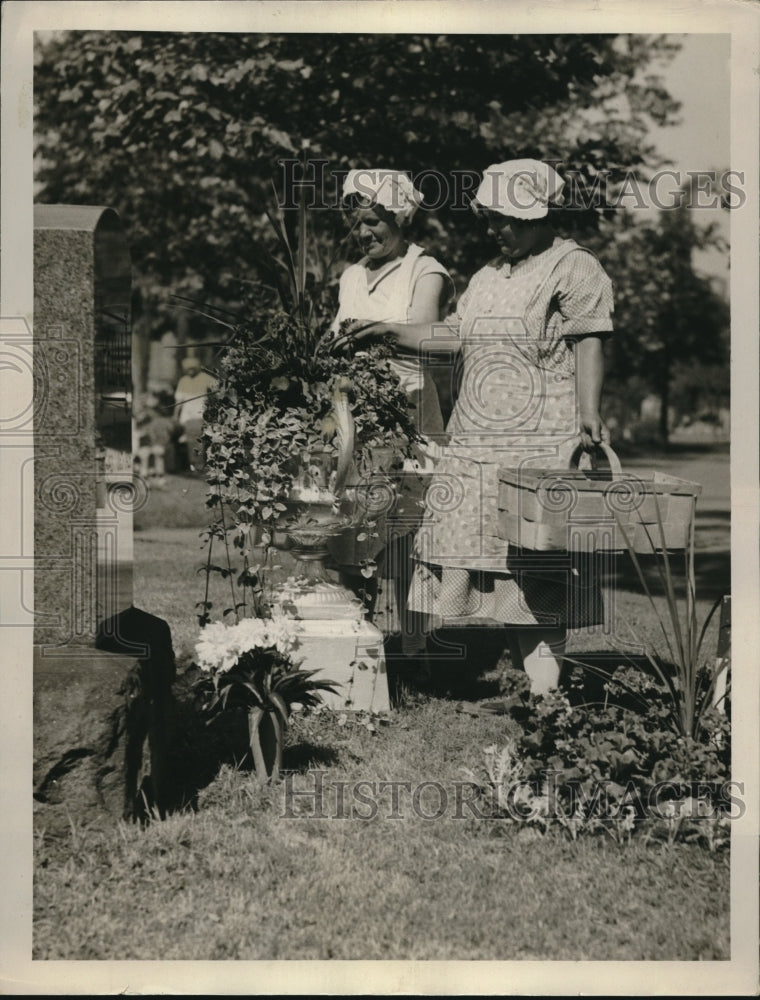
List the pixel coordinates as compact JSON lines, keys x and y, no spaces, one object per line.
{"x":672,"y":324}
{"x":184,"y":134}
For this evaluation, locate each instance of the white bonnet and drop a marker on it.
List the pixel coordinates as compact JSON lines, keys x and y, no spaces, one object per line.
{"x":521,"y":189}
{"x":390,"y":188}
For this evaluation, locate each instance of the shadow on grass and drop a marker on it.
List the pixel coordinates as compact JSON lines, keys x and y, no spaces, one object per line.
{"x":468,"y":664}
{"x":304,"y":756}
{"x":201,"y":749}
{"x":712,"y":574}
{"x":459,"y":658}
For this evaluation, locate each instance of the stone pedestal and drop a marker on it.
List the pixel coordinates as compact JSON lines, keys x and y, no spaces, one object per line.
{"x":335,"y":641}
{"x":351,"y":654}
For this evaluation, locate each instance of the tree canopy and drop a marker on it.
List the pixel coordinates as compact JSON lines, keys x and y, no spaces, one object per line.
{"x":675,"y":324}
{"x":182,"y":133}
{"x":185,"y":136}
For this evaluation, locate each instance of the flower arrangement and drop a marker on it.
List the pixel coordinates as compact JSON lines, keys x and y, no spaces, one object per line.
{"x":288,"y":418}
{"x":250,"y":666}
{"x":220,"y":647}
{"x":274,"y":428}
{"x":251,"y":663}
{"x":273,"y":411}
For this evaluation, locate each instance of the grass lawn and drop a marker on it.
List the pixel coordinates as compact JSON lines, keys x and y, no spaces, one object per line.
{"x":251,"y":873}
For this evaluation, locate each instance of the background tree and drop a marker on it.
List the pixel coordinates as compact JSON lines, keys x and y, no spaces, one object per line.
{"x":673,"y":324}
{"x":182,"y":133}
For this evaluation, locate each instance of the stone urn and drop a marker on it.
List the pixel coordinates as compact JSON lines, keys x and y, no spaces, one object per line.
{"x":316,"y":513}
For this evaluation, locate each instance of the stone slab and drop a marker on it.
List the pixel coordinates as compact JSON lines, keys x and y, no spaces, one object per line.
{"x":82,"y":417}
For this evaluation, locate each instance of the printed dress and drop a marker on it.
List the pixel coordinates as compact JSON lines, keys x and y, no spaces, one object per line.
{"x":516,"y":408}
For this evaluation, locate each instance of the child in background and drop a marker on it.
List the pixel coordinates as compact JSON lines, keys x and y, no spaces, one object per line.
{"x":156,"y":427}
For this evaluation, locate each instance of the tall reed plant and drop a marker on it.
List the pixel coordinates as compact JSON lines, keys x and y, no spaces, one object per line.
{"x":687,"y":674}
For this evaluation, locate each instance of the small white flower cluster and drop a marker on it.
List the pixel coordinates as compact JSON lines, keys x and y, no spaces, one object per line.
{"x":219,"y":646}
{"x":312,"y":494}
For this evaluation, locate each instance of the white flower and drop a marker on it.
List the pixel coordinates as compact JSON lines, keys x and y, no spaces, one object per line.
{"x":283,"y":633}
{"x":214,"y":650}
{"x":249,"y":634}
{"x":220,"y":646}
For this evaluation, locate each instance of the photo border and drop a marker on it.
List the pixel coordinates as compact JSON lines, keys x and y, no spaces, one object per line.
{"x":18,"y":973}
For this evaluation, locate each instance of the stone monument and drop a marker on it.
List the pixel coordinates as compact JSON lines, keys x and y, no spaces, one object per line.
{"x":336,"y":642}
{"x":102,"y":668}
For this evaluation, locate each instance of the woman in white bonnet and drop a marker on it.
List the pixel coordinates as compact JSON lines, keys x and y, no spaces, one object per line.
{"x":395,"y":280}
{"x":530,"y":329}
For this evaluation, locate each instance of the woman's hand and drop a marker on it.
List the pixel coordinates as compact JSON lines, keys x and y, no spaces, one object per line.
{"x":592,"y":431}
{"x":355,"y":331}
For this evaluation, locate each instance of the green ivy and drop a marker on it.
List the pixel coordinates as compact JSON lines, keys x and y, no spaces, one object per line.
{"x":271,"y":408}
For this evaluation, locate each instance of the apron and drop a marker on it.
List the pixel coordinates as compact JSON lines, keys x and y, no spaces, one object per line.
{"x":516,"y":407}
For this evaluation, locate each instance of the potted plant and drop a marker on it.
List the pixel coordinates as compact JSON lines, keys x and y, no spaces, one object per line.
{"x":250,"y":666}
{"x":289,"y":415}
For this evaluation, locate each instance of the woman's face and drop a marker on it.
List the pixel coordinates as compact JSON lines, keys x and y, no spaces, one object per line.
{"x":516,"y":237}
{"x":378,"y":235}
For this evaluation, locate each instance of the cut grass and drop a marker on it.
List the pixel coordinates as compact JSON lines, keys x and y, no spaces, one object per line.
{"x":170,"y":579}
{"x":238,"y":879}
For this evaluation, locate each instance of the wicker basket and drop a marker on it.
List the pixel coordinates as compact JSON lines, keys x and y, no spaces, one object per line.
{"x":588,"y":510}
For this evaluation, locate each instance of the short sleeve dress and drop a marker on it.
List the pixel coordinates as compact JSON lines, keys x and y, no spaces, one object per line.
{"x":387,"y":295}
{"x":516,"y":408}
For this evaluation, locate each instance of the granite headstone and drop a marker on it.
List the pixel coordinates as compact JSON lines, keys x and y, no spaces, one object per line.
{"x":102,"y":668}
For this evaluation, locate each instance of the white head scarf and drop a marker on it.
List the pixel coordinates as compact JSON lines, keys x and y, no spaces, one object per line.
{"x":390,"y":188}
{"x":521,"y":189}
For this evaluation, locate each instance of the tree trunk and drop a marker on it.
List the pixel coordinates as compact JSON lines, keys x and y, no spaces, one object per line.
{"x":141,"y":323}
{"x":665,"y":401}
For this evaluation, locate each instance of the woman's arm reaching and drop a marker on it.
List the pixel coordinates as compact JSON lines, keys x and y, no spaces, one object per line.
{"x":589,"y":377}
{"x":434,"y":338}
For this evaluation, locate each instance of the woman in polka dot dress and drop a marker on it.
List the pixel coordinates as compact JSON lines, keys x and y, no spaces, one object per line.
{"x":530,"y":329}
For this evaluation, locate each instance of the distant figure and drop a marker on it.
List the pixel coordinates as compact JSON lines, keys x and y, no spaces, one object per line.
{"x":154,"y":449}
{"x":190,"y":401}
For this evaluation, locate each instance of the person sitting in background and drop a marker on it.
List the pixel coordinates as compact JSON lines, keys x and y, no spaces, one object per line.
{"x":190,"y":400}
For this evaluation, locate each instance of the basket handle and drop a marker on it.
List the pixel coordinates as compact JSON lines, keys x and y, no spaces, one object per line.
{"x":604,"y":448}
